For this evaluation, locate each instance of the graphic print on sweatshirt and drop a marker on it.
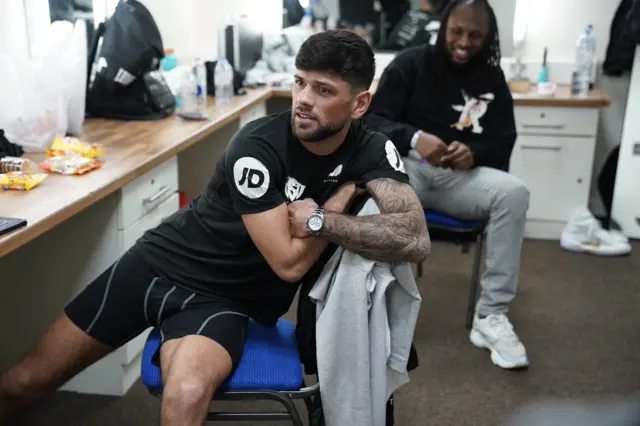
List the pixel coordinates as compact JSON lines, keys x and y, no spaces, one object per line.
{"x":472,"y":111}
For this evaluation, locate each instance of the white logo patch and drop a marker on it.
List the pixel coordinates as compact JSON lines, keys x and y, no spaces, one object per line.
{"x":251,"y":177}
{"x":432,"y":28}
{"x":336,"y":172}
{"x":293,"y":189}
{"x":394,"y":157}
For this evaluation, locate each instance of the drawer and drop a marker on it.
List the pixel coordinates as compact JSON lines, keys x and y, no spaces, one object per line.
{"x":152,"y":219}
{"x":253,"y":113}
{"x":567,"y":121}
{"x":146,"y":192}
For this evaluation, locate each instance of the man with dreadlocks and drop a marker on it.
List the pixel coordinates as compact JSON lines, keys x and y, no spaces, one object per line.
{"x":448,"y":109}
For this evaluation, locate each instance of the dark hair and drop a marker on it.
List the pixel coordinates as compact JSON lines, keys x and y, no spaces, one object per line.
{"x":339,"y":52}
{"x":487,"y":57}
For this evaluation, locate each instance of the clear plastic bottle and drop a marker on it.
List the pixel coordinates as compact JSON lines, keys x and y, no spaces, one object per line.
{"x":17,"y":164}
{"x":223,"y":78}
{"x":200,"y":72}
{"x":583,"y":67}
{"x":189,"y":104}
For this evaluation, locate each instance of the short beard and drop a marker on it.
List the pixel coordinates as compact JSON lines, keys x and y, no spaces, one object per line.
{"x":323,"y":132}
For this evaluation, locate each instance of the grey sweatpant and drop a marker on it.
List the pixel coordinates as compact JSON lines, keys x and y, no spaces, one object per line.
{"x":481,"y":193}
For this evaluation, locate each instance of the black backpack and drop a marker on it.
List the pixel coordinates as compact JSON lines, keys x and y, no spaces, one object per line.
{"x":124,"y":81}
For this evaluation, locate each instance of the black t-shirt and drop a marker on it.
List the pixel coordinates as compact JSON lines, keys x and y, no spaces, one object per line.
{"x":414,"y":29}
{"x":205,"y":246}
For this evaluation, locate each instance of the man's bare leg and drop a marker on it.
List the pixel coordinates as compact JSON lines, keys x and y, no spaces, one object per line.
{"x":60,"y":353}
{"x":193,"y":367}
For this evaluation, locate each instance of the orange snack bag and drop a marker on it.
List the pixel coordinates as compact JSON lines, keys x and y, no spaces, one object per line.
{"x":70,"y":164}
{"x":69,"y":144}
{"x":21,"y":181}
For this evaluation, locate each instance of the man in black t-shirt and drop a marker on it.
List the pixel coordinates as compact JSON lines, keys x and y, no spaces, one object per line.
{"x":241,"y":247}
{"x":449,"y":110}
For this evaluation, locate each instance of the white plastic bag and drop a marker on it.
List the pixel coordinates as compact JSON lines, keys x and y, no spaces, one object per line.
{"x":72,"y":66}
{"x":32,"y":107}
{"x":44,"y":97}
{"x":63,"y":48}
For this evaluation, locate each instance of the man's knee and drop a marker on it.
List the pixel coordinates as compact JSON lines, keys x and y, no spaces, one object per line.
{"x":512,"y":193}
{"x":187,"y":393}
{"x":18,"y":382}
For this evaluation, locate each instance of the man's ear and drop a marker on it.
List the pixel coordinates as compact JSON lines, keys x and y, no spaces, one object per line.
{"x":360,"y":104}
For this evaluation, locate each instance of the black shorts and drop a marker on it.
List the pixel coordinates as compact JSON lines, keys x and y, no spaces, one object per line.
{"x":129,"y":297}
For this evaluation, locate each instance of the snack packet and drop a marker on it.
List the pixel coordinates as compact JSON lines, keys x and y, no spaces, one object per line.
{"x":69,"y":144}
{"x":21,"y":181}
{"x":70,"y":164}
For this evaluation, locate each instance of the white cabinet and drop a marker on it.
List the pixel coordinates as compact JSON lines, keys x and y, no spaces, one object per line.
{"x":143,"y":204}
{"x":554,"y":156}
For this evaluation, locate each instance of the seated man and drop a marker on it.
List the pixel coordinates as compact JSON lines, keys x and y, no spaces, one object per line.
{"x":232,"y":254}
{"x":417,"y":27}
{"x":449,"y":107}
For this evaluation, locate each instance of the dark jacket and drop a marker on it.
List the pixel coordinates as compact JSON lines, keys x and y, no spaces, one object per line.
{"x":477,"y":113}
{"x":623,"y":38}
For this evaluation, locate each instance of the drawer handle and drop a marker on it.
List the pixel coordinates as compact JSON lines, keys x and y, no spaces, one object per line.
{"x":158,"y":195}
{"x":538,"y":147}
{"x":544,"y":126}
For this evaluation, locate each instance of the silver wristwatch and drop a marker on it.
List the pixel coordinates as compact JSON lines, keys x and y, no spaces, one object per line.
{"x":315,"y":222}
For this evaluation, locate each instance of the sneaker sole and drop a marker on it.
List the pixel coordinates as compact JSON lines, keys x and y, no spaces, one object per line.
{"x":581,"y":248}
{"x":480,"y":342}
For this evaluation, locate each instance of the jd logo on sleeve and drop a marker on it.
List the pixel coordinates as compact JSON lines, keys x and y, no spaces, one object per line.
{"x":251,"y":177}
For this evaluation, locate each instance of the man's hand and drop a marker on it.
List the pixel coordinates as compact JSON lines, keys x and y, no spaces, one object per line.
{"x":399,"y":233}
{"x":458,"y":156}
{"x":342,"y":198}
{"x":299,"y":211}
{"x":431,"y":148}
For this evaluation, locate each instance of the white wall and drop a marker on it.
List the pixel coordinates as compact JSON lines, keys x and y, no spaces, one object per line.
{"x":556,"y":24}
{"x":505,"y":11}
{"x":191,"y":26}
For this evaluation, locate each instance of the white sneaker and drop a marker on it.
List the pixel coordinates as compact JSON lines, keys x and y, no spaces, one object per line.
{"x":495,"y":333}
{"x":584,"y":234}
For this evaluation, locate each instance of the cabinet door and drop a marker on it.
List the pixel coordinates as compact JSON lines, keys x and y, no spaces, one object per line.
{"x":557,"y":171}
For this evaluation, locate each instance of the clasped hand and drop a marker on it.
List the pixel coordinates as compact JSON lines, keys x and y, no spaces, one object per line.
{"x":300,"y":210}
{"x":457,"y":155}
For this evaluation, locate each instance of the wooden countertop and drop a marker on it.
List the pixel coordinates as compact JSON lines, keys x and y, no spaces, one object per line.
{"x":562,"y":97}
{"x":135,"y":147}
{"x":132,"y":149}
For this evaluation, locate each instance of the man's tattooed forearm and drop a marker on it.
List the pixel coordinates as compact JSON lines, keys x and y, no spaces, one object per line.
{"x":398,"y":234}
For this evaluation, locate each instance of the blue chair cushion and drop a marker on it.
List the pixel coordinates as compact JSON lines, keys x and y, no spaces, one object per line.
{"x":440,"y":219}
{"x":270,"y":360}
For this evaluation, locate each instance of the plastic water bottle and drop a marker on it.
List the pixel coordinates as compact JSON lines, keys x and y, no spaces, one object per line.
{"x":223,"y":78}
{"x":187,"y":101}
{"x":200,"y":72}
{"x":585,"y":53}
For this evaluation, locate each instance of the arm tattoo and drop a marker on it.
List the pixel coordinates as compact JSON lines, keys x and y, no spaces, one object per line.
{"x":398,"y":234}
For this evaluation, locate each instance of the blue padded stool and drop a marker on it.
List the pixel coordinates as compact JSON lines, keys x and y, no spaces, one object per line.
{"x":270,"y":368}
{"x":465,"y":232}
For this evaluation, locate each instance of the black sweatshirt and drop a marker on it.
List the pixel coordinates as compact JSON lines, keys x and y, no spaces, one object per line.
{"x":406,"y":101}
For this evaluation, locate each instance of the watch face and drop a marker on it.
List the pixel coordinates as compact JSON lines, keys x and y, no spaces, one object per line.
{"x":315,"y":223}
